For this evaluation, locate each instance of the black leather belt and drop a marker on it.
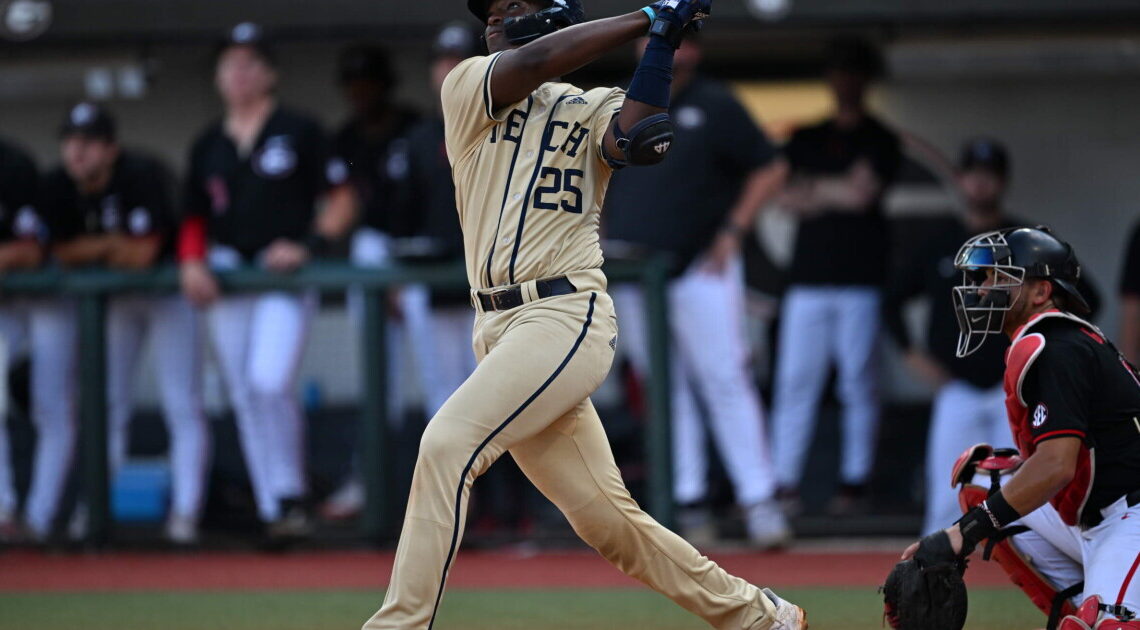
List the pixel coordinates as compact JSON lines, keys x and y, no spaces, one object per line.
{"x":512,"y":297}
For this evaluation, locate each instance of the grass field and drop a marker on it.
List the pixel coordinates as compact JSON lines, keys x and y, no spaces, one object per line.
{"x":828,"y":609}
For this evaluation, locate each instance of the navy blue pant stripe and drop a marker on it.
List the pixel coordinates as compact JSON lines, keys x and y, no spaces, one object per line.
{"x":498,"y":430}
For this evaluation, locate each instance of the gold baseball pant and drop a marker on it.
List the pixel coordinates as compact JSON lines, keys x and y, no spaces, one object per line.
{"x":538,"y":364}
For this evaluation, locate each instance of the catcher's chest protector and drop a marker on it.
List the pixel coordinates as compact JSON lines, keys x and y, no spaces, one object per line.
{"x":1019,"y":358}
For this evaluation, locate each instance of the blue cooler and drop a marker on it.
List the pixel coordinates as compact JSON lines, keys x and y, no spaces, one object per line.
{"x":140,"y":492}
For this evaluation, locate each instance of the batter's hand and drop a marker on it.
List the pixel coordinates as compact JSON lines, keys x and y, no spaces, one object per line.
{"x":284,"y":256}
{"x":198,"y":283}
{"x":686,"y":10}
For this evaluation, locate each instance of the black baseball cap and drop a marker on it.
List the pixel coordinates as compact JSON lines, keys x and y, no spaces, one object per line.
{"x":251,"y":35}
{"x":984,"y":153}
{"x":455,"y":39}
{"x":366,"y":63}
{"x":88,"y":119}
{"x":855,"y":55}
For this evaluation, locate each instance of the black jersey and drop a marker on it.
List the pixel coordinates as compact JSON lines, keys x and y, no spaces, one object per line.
{"x":679,"y":205}
{"x":840,"y":247}
{"x":378,"y":166}
{"x":19,"y":217}
{"x":135,"y":202}
{"x":427,"y":199}
{"x":251,"y":200}
{"x":1064,"y":379}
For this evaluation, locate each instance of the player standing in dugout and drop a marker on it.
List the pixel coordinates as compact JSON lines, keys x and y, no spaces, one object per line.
{"x":256,"y":177}
{"x":109,"y":207}
{"x":531,"y":158}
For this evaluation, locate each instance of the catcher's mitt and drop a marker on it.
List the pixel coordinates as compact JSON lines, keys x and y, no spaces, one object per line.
{"x":926,"y":592}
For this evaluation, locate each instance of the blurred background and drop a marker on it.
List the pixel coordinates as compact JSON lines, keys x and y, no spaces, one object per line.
{"x":1054,"y":83}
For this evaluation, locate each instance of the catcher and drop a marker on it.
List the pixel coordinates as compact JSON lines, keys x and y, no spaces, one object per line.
{"x":1063,"y":516}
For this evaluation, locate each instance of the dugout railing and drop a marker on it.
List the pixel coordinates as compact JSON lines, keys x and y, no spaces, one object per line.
{"x":90,"y":288}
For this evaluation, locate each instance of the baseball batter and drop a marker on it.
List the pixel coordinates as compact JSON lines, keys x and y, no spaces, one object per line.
{"x":531,"y":158}
{"x":1073,"y":402}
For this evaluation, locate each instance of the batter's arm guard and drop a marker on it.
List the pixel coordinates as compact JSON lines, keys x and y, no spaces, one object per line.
{"x":645,"y":144}
{"x":983,"y":459}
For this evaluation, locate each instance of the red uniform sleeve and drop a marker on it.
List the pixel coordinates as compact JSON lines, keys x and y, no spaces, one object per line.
{"x":192,"y":238}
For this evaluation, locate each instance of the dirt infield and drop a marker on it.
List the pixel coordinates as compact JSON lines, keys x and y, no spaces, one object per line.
{"x":24,"y":571}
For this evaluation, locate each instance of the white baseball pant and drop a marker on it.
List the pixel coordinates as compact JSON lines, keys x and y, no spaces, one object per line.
{"x":819,"y":326}
{"x":259,"y":339}
{"x":710,"y":353}
{"x":1106,"y":557}
{"x":436,"y":341}
{"x":172,"y":326}
{"x":962,"y":415}
{"x":7,"y":486}
{"x":53,"y":343}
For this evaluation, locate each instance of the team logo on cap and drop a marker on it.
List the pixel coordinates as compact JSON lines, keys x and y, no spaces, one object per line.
{"x":82,"y":114}
{"x":1040,"y":415}
{"x":245,"y":33}
{"x":277,"y":159}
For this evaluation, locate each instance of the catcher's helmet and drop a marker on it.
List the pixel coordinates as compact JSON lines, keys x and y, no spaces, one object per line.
{"x":1009,"y":256}
{"x":526,"y":28}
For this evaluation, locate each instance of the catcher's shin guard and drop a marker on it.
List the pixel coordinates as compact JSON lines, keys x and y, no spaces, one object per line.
{"x":1090,"y":616}
{"x":1086,"y":617}
{"x":996,"y":463}
{"x":1116,"y":624}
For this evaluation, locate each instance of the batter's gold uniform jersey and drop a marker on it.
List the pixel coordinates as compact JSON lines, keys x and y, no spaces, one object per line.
{"x":529,"y":177}
{"x":529,"y":182}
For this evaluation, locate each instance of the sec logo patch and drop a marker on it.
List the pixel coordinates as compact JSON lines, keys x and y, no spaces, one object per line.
{"x":1040,"y":415}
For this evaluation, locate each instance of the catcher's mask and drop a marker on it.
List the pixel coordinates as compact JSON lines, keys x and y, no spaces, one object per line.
{"x":523,"y":29}
{"x":994,"y":265}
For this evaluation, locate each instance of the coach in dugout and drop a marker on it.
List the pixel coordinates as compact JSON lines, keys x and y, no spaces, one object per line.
{"x":109,"y":207}
{"x":838,"y":172}
{"x":255,"y":179}
{"x":697,"y":206}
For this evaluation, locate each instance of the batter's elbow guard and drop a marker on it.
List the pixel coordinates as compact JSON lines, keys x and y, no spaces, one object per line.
{"x":646,"y":143}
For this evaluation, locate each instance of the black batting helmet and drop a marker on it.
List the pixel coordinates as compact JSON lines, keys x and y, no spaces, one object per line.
{"x":1011,"y":256}
{"x":526,"y":28}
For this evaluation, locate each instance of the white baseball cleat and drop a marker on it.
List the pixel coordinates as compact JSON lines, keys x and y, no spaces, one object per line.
{"x":788,"y":615}
{"x":767,"y":526}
